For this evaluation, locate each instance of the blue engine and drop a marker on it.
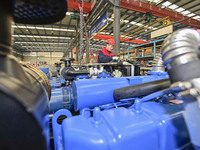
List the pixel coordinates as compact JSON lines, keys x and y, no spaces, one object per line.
{"x":155,"y":127}
{"x":142,"y":112}
{"x":92,"y":92}
{"x":165,"y":119}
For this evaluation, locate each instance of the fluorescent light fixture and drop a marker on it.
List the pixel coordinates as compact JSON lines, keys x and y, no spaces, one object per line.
{"x":167,"y":3}
{"x":138,"y":24}
{"x":48,"y":37}
{"x":132,"y":22}
{"x":180,"y":9}
{"x":40,"y":43}
{"x":44,"y":47}
{"x":43,"y":28}
{"x":186,"y":12}
{"x":68,"y":13}
{"x":197,"y":17}
{"x":173,"y":6}
{"x":156,"y":1}
{"x":110,"y":19}
{"x":104,"y":33}
{"x":126,"y":21}
{"x":190,"y":15}
{"x":155,"y":28}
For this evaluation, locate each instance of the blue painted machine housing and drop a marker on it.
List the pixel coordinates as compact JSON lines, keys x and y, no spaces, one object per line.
{"x":56,"y":82}
{"x":45,"y":71}
{"x":104,"y":75}
{"x":91,"y":93}
{"x":157,"y":127}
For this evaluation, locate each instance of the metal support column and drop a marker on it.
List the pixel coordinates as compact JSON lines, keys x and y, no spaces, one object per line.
{"x":117,"y":26}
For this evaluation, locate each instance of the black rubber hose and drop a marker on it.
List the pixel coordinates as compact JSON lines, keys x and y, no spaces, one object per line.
{"x":139,"y":90}
{"x":75,"y":73}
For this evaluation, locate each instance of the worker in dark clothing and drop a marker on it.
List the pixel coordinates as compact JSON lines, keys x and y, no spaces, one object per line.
{"x":106,"y":54}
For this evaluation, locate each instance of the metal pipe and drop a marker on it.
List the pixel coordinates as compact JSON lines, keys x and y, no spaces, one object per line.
{"x":140,"y":89}
{"x":180,"y":53}
{"x":157,"y":65}
{"x":75,"y":73}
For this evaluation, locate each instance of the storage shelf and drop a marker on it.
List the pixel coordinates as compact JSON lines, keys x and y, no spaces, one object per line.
{"x":143,"y":46}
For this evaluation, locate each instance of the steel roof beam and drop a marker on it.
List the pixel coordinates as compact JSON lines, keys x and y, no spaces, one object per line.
{"x":159,"y":12}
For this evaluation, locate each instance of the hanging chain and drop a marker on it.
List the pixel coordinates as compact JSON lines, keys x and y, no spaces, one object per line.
{"x":81,"y":36}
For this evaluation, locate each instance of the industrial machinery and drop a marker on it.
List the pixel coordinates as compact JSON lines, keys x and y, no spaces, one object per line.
{"x":147,"y":112}
{"x":24,"y":90}
{"x":45,"y":71}
{"x":58,"y":67}
{"x":152,"y":122}
{"x":77,"y":93}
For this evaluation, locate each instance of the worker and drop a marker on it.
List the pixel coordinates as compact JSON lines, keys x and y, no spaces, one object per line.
{"x":106,"y":54}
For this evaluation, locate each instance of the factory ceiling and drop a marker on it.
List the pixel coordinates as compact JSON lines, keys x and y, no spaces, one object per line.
{"x":64,"y":35}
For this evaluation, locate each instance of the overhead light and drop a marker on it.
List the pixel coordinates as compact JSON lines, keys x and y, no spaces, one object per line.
{"x":48,"y":37}
{"x":125,"y":21}
{"x":197,"y":17}
{"x":180,"y":9}
{"x":43,"y":28}
{"x":110,"y":19}
{"x":39,"y":43}
{"x":156,"y":1}
{"x":132,"y":22}
{"x":167,"y":3}
{"x":186,"y":12}
{"x":68,"y":13}
{"x":45,"y":46}
{"x":173,"y":6}
{"x":104,"y":33}
{"x":138,"y":24}
{"x":190,"y":15}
